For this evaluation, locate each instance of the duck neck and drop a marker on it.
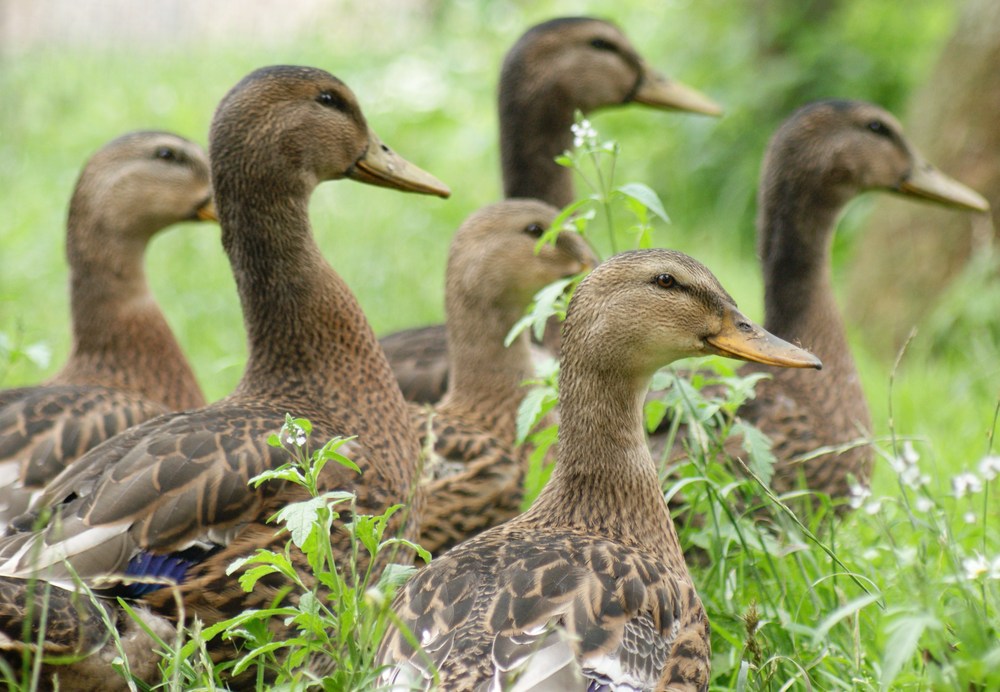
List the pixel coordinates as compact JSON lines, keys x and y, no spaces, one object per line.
{"x":605,"y":479}
{"x":120,"y":337}
{"x":309,"y":343}
{"x":534,"y":129}
{"x":796,"y":229}
{"x":485,"y":378}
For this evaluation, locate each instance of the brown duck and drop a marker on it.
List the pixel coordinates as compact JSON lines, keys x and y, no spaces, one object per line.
{"x":169,"y":498}
{"x":823,"y":156}
{"x":473,"y":478}
{"x":125,"y":365}
{"x":589,"y":587}
{"x":555,"y":69}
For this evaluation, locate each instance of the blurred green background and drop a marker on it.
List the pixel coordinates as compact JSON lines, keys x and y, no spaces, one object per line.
{"x":74,"y":74}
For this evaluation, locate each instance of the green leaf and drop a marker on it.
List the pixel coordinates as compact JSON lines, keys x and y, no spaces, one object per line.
{"x":758,"y":448}
{"x":901,"y":646}
{"x":536,"y":403}
{"x":647,"y":196}
{"x":841,"y":613}
{"x":300,"y":518}
{"x":282,"y":473}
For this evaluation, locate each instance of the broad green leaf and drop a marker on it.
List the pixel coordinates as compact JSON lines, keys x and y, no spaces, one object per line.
{"x":647,"y":196}
{"x":845,"y":611}
{"x":901,"y":646}
{"x":758,"y":448}
{"x":300,"y":517}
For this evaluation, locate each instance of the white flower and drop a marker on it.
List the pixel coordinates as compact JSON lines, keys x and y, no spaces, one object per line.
{"x":295,"y":435}
{"x":859,"y":494}
{"x":910,"y":455}
{"x":924,"y":504}
{"x":979,"y":566}
{"x":970,"y":517}
{"x":912,"y":477}
{"x":874,"y":507}
{"x":975,"y":567}
{"x":583,"y":133}
{"x":965,"y":483}
{"x":989,"y":466}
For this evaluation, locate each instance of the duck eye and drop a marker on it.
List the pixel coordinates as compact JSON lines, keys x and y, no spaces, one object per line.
{"x":602,"y":44}
{"x":165,"y":154}
{"x":331,"y":100}
{"x":666,"y":281}
{"x":535,"y":230}
{"x":879,"y":128}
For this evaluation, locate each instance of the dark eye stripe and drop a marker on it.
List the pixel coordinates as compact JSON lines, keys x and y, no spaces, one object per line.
{"x":601,"y":44}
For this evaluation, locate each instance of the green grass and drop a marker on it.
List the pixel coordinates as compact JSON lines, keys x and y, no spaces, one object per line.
{"x":427,"y":83}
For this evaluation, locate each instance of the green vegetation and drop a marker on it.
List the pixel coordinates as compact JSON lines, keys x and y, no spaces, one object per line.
{"x":903,"y":592}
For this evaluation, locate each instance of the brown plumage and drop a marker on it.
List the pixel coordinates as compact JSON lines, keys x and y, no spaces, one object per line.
{"x":555,"y":69}
{"x":473,"y":479}
{"x":175,"y":489}
{"x":589,"y":586}
{"x":822,"y":157}
{"x":125,"y":365}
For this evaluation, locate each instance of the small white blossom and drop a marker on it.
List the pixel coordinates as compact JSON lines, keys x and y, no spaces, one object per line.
{"x":583,"y":133}
{"x":912,"y":478}
{"x":989,"y":467}
{"x":965,"y":483}
{"x":874,"y":507}
{"x":295,"y":435}
{"x":975,"y":567}
{"x":970,"y":517}
{"x":979,"y":566}
{"x":859,"y":494}
{"x":906,"y":462}
{"x":924,"y":504}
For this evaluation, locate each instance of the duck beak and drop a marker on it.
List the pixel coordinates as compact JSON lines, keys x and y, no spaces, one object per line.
{"x":742,"y":339}
{"x":381,"y":166}
{"x":206,"y":211}
{"x":927,"y":182}
{"x":659,"y":91}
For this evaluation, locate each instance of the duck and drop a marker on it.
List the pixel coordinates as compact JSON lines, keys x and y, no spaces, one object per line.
{"x":588,"y":588}
{"x":553,"y":70}
{"x":821,"y":157}
{"x":169,"y":499}
{"x":125,"y":365}
{"x":473,"y":477}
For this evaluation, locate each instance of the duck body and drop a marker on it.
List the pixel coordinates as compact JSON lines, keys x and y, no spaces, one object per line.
{"x":169,"y":498}
{"x":823,"y":156}
{"x":125,"y":365}
{"x":556,"y":68}
{"x":588,"y":589}
{"x":474,"y":474}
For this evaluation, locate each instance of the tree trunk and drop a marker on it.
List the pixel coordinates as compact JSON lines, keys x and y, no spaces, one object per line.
{"x":909,"y":251}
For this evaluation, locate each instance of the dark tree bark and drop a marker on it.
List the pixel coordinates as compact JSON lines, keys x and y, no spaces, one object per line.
{"x":909,"y":252}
